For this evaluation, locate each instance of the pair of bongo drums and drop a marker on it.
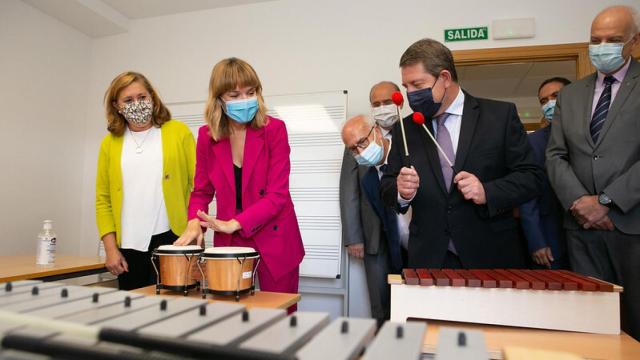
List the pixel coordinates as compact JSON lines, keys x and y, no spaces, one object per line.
{"x":223,"y":270}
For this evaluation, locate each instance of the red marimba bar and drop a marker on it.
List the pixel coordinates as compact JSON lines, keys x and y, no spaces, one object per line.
{"x":505,"y":278}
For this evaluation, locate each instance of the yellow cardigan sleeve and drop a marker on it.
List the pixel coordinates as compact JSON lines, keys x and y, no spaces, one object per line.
{"x":104,"y":211}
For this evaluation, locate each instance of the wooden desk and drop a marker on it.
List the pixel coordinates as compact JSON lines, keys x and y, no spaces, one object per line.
{"x":24,"y":267}
{"x":589,"y":346}
{"x":260,"y":299}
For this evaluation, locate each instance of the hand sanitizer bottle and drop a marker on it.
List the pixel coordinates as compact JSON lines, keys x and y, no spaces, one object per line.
{"x":46,"y":250}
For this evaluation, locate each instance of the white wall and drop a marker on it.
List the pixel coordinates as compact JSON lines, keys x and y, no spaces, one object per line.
{"x":304,"y":46}
{"x":44,"y":76}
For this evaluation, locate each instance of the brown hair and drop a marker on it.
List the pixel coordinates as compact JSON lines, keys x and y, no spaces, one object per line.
{"x":226,"y":76}
{"x":433,"y":56}
{"x":116,"y":123}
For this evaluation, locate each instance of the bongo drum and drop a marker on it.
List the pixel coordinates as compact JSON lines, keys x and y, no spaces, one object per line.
{"x":230,"y":270}
{"x":176,"y":267}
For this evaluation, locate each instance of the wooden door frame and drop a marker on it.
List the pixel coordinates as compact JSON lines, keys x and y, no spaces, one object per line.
{"x":578,"y":52}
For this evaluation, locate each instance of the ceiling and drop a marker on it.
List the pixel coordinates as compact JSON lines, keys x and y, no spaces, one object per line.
{"x":137,"y":9}
{"x":514,"y":82}
{"x":98,"y":18}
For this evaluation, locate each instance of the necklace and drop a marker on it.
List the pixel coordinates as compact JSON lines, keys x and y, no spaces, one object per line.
{"x":139,"y":145}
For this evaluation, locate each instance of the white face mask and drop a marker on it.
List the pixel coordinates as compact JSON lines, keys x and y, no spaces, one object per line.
{"x":372,"y":155}
{"x":385,"y":115}
{"x":548,"y":108}
{"x":606,"y":57}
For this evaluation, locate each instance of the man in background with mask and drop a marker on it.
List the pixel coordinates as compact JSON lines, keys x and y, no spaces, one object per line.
{"x":386,"y":114}
{"x":370,"y":231}
{"x":462,"y":214}
{"x":541,"y":217}
{"x":593,"y":161}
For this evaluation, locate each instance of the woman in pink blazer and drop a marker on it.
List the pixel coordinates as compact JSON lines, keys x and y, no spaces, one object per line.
{"x":242,"y":157}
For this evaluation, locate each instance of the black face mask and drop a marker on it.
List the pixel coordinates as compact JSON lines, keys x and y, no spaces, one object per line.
{"x":422,"y":101}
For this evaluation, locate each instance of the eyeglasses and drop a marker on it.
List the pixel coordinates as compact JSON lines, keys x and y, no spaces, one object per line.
{"x":361,"y":144}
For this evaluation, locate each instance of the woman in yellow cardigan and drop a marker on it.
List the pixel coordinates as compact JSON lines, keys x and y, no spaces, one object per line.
{"x":145,"y":175}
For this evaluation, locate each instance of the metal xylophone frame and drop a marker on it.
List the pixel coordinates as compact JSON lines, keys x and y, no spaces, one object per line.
{"x":102,"y":323}
{"x":489,"y":297}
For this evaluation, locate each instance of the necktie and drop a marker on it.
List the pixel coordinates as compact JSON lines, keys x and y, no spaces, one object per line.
{"x":444,"y":140}
{"x":602,"y":108}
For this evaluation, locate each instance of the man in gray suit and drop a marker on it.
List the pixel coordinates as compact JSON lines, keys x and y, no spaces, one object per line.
{"x":369,"y":230}
{"x":593,"y":160}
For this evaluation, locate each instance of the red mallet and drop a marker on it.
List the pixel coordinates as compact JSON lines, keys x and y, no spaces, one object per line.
{"x":397,"y":99}
{"x":418,"y":118}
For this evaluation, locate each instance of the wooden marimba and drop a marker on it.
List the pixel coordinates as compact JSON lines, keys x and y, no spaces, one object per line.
{"x":544,"y":299}
{"x":56,"y":321}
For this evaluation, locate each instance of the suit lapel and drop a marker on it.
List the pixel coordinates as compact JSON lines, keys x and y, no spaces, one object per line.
{"x":222,"y":151}
{"x":253,"y":147}
{"x":589,"y":90}
{"x":468,"y":123}
{"x":371,"y":185}
{"x":627,"y":85}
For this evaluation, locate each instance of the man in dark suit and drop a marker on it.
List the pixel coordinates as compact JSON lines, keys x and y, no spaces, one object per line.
{"x":370,"y":230}
{"x":593,"y":161}
{"x":541,"y":217}
{"x":462,"y":214}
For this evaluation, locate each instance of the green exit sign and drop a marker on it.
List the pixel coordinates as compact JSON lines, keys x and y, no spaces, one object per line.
{"x":465,"y":34}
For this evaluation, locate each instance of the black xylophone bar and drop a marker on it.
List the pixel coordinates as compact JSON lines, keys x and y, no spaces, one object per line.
{"x":181,"y":347}
{"x":33,"y":344}
{"x":177,"y":347}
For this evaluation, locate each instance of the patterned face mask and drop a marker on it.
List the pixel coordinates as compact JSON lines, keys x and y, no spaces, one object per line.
{"x":139,"y":112}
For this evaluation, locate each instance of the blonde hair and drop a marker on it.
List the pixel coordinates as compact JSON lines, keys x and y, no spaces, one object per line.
{"x":116,"y":123}
{"x":227,"y":75}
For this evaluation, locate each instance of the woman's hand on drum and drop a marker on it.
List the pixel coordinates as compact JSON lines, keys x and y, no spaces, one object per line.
{"x":115,"y":262}
{"x":227,"y":227}
{"x":193,"y":232}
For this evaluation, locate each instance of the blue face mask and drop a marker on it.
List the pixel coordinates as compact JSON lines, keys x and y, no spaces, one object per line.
{"x":242,"y":110}
{"x":547,"y":109}
{"x":422,"y":101}
{"x":607,"y":57}
{"x":372,"y":155}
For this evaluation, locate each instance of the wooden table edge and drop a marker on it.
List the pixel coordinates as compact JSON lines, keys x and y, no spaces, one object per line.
{"x":53,"y":272}
{"x":150,"y":291}
{"x":291,"y":302}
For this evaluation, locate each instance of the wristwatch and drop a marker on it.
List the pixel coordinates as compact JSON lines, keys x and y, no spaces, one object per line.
{"x":605,"y":200}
